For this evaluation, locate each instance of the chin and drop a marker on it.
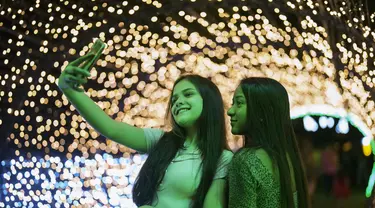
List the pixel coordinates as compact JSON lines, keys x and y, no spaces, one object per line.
{"x":235,"y":132}
{"x":185,"y":124}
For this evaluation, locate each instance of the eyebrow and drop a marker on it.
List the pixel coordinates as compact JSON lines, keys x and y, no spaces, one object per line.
{"x":238,"y":97}
{"x":183,"y":92}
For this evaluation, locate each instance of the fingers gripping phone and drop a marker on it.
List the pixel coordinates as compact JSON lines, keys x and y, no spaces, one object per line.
{"x":97,"y":49}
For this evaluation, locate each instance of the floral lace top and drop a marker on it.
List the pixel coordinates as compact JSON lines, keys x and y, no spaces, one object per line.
{"x":251,"y":183}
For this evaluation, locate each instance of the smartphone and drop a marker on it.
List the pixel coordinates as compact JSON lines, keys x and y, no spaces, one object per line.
{"x":97,"y":49}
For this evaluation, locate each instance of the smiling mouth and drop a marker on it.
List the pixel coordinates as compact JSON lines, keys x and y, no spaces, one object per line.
{"x":182,"y":111}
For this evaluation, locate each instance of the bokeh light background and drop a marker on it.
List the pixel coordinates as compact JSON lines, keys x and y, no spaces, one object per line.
{"x":321,"y":51}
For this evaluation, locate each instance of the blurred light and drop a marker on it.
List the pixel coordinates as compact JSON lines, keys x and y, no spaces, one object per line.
{"x":331,"y":122}
{"x":297,"y":53}
{"x":342,"y":126}
{"x":323,"y":122}
{"x":310,"y":124}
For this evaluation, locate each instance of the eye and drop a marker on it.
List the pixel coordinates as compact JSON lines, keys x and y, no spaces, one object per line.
{"x":188,"y":94}
{"x":173,"y":100}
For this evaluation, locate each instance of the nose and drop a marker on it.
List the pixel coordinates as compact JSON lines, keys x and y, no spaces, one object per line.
{"x":179,"y":102}
{"x":230,"y":112}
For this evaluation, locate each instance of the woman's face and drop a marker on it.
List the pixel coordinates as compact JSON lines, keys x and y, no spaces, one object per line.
{"x":238,"y":112}
{"x":187,"y":104}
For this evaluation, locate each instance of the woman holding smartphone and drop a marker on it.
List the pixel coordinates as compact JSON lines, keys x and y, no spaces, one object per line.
{"x":267,"y":172}
{"x":186,"y":167}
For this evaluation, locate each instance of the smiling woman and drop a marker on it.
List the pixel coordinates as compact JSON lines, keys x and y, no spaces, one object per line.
{"x":186,"y":167}
{"x":196,"y":146}
{"x":187,"y":105}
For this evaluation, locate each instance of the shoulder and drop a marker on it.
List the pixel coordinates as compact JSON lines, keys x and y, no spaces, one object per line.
{"x":225,"y":158}
{"x":223,"y":163}
{"x":254,"y":160}
{"x":153,"y":132}
{"x":226,"y":155}
{"x":152,"y":136}
{"x":264,"y":158}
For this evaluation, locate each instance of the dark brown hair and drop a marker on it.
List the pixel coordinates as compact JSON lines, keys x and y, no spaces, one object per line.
{"x":270,"y":128}
{"x":211,"y":143}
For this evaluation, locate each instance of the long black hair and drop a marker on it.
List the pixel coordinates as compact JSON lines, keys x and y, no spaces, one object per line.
{"x":270,"y":128}
{"x":211,"y":141}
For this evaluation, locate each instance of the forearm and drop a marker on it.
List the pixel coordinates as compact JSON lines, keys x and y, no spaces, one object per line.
{"x":69,"y":81}
{"x":90,"y":111}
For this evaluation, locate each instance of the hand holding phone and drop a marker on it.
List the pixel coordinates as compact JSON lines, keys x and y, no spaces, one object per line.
{"x":96,"y":50}
{"x":77,"y":71}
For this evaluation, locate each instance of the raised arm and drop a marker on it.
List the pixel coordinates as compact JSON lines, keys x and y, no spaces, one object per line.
{"x":74,"y":76}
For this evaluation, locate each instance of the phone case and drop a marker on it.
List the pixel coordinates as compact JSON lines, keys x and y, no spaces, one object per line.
{"x":97,"y":49}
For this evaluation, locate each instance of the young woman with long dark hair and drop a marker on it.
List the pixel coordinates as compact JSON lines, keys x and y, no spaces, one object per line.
{"x":267,"y":172}
{"x":187,"y":166}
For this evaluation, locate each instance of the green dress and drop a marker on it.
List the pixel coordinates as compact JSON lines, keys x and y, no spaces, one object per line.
{"x":251,"y":183}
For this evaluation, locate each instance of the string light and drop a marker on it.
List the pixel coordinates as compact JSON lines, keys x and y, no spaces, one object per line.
{"x":149,"y":46}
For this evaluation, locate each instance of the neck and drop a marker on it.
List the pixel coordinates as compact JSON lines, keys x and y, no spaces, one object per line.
{"x":191,"y":135}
